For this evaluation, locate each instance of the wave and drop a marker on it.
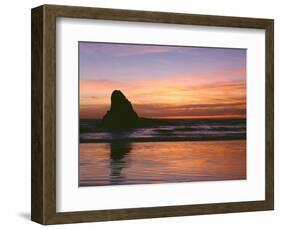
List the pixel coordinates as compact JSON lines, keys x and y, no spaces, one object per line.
{"x":167,"y":130}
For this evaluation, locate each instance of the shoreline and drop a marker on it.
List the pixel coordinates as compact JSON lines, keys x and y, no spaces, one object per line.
{"x":170,"y":139}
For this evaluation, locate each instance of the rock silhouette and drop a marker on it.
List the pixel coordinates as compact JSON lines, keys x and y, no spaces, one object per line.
{"x":121,"y":113}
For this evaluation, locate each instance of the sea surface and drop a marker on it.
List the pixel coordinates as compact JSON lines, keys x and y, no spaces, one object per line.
{"x":167,"y":130}
{"x":182,"y":150}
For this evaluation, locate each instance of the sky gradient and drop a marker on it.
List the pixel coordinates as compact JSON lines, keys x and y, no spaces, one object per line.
{"x":163,"y":81}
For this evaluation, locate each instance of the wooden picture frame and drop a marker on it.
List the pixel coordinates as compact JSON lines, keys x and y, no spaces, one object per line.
{"x":43,"y":207}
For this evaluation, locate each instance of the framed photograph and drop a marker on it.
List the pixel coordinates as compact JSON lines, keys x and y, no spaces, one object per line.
{"x":141,"y":114}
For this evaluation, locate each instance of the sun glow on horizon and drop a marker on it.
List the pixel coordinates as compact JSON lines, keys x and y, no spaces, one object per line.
{"x":228,"y":116}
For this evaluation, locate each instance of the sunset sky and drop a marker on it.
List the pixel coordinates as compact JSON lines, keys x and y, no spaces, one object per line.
{"x":163,"y":81}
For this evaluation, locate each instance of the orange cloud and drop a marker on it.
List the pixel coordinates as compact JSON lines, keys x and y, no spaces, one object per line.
{"x":224,"y":99}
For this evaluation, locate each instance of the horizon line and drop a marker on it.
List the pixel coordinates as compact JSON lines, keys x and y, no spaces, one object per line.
{"x":230,"y":116}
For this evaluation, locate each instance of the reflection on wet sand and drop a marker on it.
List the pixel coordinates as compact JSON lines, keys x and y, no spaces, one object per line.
{"x":161,"y":162}
{"x":118,"y":161}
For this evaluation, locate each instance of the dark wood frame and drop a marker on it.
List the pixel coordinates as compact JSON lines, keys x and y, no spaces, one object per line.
{"x":43,"y":188}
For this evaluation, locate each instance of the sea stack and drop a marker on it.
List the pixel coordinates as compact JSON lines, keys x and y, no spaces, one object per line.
{"x":121,"y":113}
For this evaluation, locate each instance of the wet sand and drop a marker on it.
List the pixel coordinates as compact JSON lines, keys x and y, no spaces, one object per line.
{"x":161,"y":162}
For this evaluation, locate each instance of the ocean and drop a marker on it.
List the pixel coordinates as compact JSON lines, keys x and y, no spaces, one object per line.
{"x":167,"y":130}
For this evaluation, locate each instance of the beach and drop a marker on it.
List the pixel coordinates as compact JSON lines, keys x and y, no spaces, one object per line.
{"x":161,"y":162}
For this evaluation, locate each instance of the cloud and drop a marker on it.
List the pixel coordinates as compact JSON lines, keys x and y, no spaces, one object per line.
{"x":209,"y":100}
{"x":124,"y":50}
